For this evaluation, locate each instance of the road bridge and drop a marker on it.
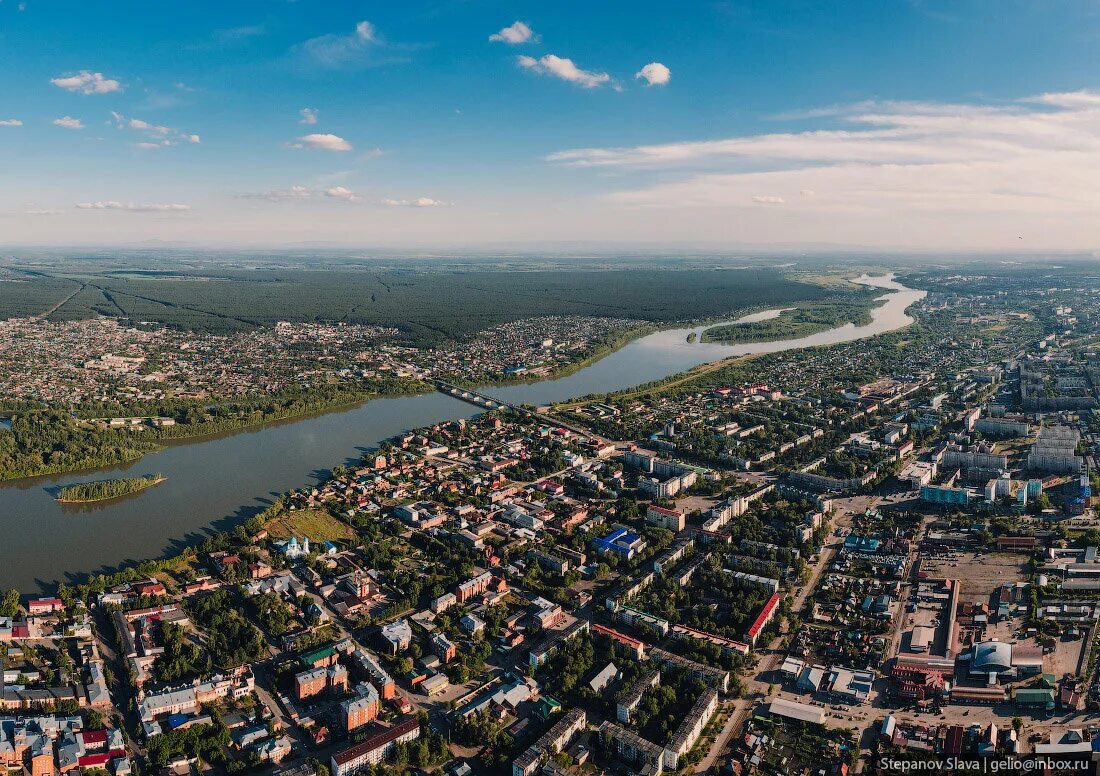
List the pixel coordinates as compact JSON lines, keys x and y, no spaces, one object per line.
{"x":470,"y":396}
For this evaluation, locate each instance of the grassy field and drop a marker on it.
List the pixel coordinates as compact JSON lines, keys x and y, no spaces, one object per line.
{"x":316,"y":525}
{"x":429,"y":307}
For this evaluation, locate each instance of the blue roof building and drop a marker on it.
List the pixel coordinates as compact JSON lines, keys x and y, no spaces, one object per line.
{"x":854,"y":543}
{"x":621,"y":541}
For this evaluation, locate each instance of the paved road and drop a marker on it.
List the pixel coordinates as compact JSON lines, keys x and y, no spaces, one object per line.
{"x":772,"y":657}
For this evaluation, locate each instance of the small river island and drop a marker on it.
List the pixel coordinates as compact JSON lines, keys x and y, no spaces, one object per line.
{"x":105,"y":490}
{"x":795,"y":322}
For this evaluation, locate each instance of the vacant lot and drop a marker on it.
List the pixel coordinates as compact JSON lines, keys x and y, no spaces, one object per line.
{"x":313,"y":524}
{"x":979,"y":575}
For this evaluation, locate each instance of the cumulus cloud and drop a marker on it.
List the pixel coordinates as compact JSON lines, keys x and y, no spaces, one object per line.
{"x":963,"y":172}
{"x":10,"y":123}
{"x":309,"y":116}
{"x":87,"y":82}
{"x":156,"y":135}
{"x":356,"y":49}
{"x":565,"y":69}
{"x":341,"y":193}
{"x":418,"y":202}
{"x":68,"y":122}
{"x":132,"y":207}
{"x":654,"y":74}
{"x":515,"y":34}
{"x":323,"y":142}
{"x":139,"y":124}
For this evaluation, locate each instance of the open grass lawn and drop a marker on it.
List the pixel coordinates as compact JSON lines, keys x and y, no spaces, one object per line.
{"x":316,"y":525}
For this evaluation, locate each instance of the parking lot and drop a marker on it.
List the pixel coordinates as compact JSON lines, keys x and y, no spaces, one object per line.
{"x":979,"y":574}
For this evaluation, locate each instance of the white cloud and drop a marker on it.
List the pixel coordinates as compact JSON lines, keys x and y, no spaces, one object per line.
{"x":68,"y":122}
{"x":45,"y":212}
{"x":309,"y":116}
{"x":341,"y":192}
{"x":418,"y":202}
{"x":132,"y":207}
{"x":563,"y":68}
{"x":655,"y":74}
{"x":517,"y":33}
{"x":323,"y":142}
{"x":10,"y":123}
{"x":294,"y":193}
{"x":139,"y":124}
{"x":336,"y":51}
{"x":303,"y":193}
{"x":87,"y":82}
{"x":364,"y":31}
{"x":892,"y":173}
{"x":157,"y":135}
{"x":1079,"y":99}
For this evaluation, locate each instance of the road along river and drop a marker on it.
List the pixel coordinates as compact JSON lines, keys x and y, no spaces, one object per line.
{"x":215,"y":482}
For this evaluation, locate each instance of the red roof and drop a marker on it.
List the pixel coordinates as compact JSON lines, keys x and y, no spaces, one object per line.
{"x":620,"y":637}
{"x":99,"y":760}
{"x":44,"y":603}
{"x":762,"y":618}
{"x":375,"y":742}
{"x":93,"y":737}
{"x":662,"y":510}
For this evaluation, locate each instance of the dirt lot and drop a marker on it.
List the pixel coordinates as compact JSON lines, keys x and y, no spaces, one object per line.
{"x":979,"y":574}
{"x":1065,"y":658}
{"x":689,"y":504}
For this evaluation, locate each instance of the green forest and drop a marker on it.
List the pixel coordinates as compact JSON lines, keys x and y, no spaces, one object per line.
{"x":430,"y":308}
{"x":44,"y":441}
{"x":801,"y":321}
{"x":102,"y":490}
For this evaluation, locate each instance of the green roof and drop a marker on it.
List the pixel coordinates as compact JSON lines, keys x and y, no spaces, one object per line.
{"x":316,"y":655}
{"x":546,"y":706}
{"x":1029,"y":696}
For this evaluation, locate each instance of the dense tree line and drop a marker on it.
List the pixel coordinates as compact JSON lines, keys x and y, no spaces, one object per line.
{"x":852,"y":307}
{"x":107,"y":489}
{"x":230,"y":639}
{"x":182,"y":658}
{"x":44,"y":441}
{"x":429,"y":307}
{"x":210,"y":742}
{"x":47,"y":441}
{"x":9,"y":603}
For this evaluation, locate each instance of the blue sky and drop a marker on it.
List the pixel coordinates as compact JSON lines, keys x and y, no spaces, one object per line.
{"x":908,"y":124}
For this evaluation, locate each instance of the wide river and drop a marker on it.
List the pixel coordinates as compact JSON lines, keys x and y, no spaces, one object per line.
{"x":217,"y":482}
